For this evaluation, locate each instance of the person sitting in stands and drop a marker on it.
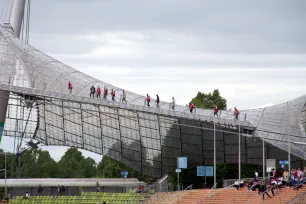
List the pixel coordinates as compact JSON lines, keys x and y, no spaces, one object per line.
{"x":139,"y":189}
{"x":285,"y":177}
{"x":250,"y":184}
{"x":27,"y":195}
{"x":298,"y":183}
{"x":291,"y":181}
{"x":280,"y":181}
{"x":255,"y":184}
{"x":238,"y":184}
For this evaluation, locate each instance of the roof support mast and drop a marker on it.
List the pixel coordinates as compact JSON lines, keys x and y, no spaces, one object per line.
{"x":15,"y":22}
{"x":17,"y":15}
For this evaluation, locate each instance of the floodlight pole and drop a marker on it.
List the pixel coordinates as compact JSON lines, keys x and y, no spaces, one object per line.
{"x":215,"y":178}
{"x":289,"y":149}
{"x":239,"y":150}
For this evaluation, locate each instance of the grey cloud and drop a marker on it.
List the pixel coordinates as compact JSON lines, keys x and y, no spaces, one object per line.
{"x":230,"y":26}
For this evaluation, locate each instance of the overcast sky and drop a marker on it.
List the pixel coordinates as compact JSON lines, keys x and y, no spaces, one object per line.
{"x":254,"y":52}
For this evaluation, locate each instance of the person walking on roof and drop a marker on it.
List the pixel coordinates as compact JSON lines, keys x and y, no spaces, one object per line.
{"x":69,"y":87}
{"x":113,"y":95}
{"x":157,"y":101}
{"x":191,"y":107}
{"x":124,"y":96}
{"x":216,"y":110}
{"x":92,"y":91}
{"x":98,"y":92}
{"x":105,"y":92}
{"x":236,"y":113}
{"x":173,"y":103}
{"x":148,"y":99}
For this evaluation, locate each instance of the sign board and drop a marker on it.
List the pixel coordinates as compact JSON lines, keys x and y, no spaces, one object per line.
{"x":200,"y":170}
{"x":182,"y":162}
{"x":209,"y":171}
{"x":178,"y":170}
{"x":283,"y":162}
{"x":205,"y":171}
{"x":270,"y":163}
{"x":124,"y":174}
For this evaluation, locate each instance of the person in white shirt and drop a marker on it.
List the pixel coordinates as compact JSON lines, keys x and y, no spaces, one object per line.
{"x":237,"y":185}
{"x":27,"y":195}
{"x":256,"y":174}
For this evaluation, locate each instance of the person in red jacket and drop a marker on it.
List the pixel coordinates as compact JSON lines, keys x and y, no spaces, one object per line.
{"x":216,"y":110}
{"x":105,"y":92}
{"x":236,"y":113}
{"x":148,"y":99}
{"x":113,"y":95}
{"x":69,"y":87}
{"x":191,"y":107}
{"x":98,"y":92}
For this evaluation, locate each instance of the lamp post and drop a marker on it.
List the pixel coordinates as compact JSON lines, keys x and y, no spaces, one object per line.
{"x":215,"y":177}
{"x":239,"y":150}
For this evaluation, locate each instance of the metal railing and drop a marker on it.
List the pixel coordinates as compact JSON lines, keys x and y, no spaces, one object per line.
{"x":229,"y":182}
{"x":161,"y":185}
{"x":299,"y":185}
{"x":266,"y":191}
{"x":208,"y":193}
{"x":189,"y":187}
{"x":217,"y":191}
{"x":300,"y":198}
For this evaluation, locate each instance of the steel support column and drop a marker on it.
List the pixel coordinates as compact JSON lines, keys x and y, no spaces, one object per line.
{"x":63,"y":115}
{"x":101,"y":129}
{"x":120,"y":136}
{"x":140,"y":141}
{"x":82,"y":125}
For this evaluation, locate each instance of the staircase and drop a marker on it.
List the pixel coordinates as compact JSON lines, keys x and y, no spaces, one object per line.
{"x":228,"y":196}
{"x":283,"y":195}
{"x":220,"y":196}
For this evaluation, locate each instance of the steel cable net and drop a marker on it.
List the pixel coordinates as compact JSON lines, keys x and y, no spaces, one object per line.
{"x":147,"y":139}
{"x":46,"y":73}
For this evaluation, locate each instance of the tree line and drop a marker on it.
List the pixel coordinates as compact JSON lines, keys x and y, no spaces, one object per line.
{"x":37,"y":163}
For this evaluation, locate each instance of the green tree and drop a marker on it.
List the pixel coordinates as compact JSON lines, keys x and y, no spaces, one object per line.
{"x":88,"y":168}
{"x":203,"y":100}
{"x":37,"y":163}
{"x":74,"y":165}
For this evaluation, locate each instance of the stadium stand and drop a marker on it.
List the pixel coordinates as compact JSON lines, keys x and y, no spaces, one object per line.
{"x":85,"y":198}
{"x":229,"y":196}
